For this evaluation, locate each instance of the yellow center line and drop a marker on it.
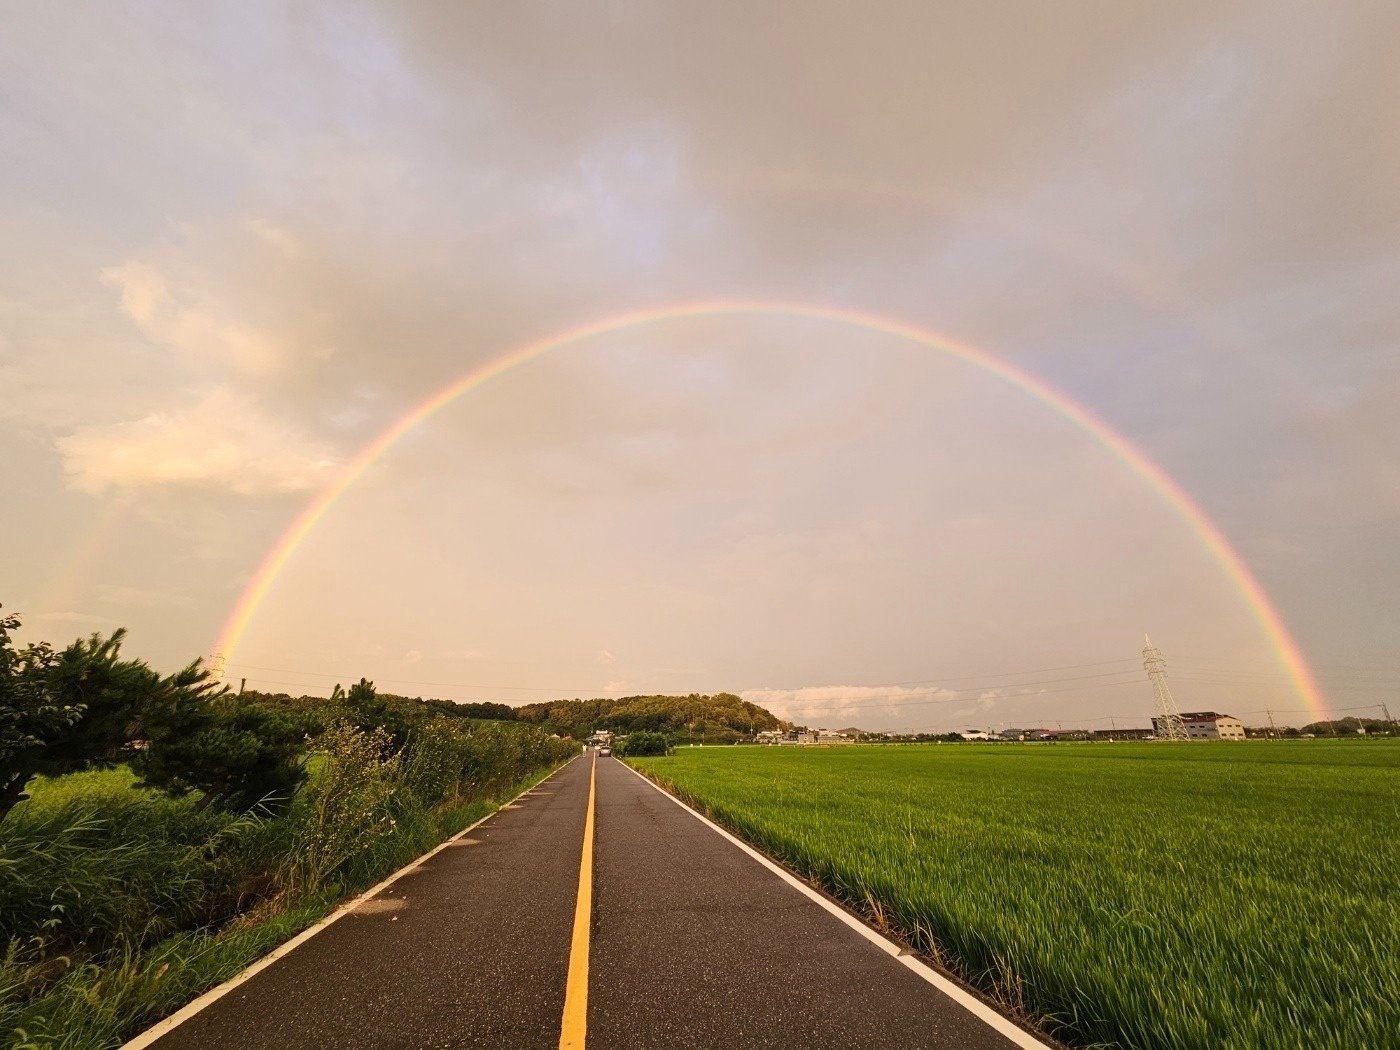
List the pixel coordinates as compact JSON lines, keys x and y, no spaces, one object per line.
{"x":575,"y":1025}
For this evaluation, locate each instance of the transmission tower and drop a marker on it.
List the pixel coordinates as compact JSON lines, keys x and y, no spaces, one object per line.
{"x":215,"y":664}
{"x":1168,"y":720}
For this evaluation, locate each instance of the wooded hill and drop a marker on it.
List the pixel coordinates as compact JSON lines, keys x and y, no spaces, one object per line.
{"x":720,"y":717}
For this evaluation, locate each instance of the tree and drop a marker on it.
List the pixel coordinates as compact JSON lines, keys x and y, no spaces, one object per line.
{"x":366,"y":709}
{"x":29,"y":716}
{"x":85,"y":707}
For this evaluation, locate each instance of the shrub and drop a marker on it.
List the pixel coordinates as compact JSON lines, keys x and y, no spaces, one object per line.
{"x":644,"y":742}
{"x":435,"y":760}
{"x":233,"y":751}
{"x":347,"y":806}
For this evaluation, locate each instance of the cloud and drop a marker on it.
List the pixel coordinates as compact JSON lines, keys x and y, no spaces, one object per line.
{"x":275,"y":236}
{"x":829,"y":704}
{"x":605,"y":657}
{"x":219,"y":442}
{"x":186,"y":321}
{"x":413,"y":656}
{"x":876,"y":706}
{"x":110,"y":594}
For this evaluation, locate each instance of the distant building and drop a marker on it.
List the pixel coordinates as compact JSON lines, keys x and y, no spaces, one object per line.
{"x":1061,"y":734}
{"x":974,"y":734}
{"x":1210,"y":725}
{"x":1123,"y":734}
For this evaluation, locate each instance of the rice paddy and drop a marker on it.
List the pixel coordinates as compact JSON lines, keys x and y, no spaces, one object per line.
{"x":1121,"y":895}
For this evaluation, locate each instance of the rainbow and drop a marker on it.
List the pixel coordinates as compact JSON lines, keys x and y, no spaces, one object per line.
{"x":64,"y":593}
{"x":1214,"y":541}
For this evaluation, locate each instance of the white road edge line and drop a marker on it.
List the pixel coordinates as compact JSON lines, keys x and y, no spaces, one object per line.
{"x":164,"y":1027}
{"x":970,"y":1003}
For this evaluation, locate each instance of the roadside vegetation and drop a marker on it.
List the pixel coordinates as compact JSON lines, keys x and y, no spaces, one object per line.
{"x":159,"y":833}
{"x":1165,"y":896}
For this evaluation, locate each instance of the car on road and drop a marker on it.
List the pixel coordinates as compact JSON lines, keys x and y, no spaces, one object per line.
{"x":605,"y":751}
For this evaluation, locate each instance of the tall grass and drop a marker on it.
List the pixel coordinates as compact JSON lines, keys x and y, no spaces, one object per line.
{"x":1171,"y":897}
{"x":118,"y":905}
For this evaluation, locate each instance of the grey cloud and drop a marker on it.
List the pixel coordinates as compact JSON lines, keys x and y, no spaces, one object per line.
{"x":311,"y":217}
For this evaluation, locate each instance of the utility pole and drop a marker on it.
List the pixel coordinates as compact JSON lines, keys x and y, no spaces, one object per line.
{"x":1168,"y":721}
{"x":1273,"y":729}
{"x":1389,"y":722}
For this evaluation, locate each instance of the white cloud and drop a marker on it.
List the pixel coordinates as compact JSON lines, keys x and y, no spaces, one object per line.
{"x":186,"y":321}
{"x":413,"y":656}
{"x":218,"y":442}
{"x":605,"y":657}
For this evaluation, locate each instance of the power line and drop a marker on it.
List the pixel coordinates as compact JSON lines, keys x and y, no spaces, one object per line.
{"x":341,"y":676}
{"x":1383,"y":676}
{"x":819,"y":707}
{"x":932,"y":682}
{"x":831,"y":702}
{"x":1001,"y":674}
{"x":1033,"y":689}
{"x":966,"y":689}
{"x":859,"y":701}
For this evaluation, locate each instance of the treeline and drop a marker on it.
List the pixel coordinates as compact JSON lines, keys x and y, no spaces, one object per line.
{"x":178,"y":831}
{"x":1343,"y":727}
{"x":720,"y":718}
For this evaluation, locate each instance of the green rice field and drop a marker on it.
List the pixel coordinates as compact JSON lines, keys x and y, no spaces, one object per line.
{"x":1121,"y":895}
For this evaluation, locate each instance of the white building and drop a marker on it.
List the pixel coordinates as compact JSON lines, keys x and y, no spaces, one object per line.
{"x":1211,"y":725}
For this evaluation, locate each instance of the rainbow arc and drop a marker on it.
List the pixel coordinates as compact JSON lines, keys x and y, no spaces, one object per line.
{"x":1209,"y":535}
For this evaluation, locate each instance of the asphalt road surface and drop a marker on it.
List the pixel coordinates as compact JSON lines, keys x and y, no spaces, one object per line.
{"x":689,"y":942}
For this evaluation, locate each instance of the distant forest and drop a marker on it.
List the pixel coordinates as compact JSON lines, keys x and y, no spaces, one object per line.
{"x":720,"y":718}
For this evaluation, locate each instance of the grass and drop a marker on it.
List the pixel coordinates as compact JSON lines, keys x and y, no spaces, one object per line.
{"x":1122,"y":895}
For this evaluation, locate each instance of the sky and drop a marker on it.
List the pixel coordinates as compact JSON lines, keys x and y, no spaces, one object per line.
{"x":243,"y":240}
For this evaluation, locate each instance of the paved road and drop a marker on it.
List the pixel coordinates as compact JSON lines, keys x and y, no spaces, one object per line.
{"x":465,"y":951}
{"x":693,"y":943}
